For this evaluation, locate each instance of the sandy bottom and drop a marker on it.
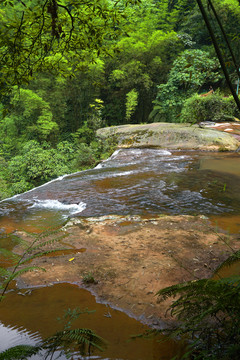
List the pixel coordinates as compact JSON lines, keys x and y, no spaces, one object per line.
{"x":128,"y":259}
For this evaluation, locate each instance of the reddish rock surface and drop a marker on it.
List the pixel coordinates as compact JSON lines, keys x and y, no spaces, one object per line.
{"x":131,"y":258}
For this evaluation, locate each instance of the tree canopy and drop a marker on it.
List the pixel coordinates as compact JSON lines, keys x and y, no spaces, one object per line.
{"x":50,"y":35}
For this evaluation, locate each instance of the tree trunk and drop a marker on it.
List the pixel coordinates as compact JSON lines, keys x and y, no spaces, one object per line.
{"x":225,"y":37}
{"x":218,"y":52}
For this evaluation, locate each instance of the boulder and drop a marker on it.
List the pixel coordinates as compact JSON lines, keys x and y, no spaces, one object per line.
{"x":170,"y":136}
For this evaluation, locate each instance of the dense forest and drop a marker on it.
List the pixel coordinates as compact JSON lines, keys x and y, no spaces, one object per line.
{"x":119,"y":63}
{"x":70,"y":67}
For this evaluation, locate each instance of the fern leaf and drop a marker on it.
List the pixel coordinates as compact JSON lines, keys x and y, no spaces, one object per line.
{"x":174,"y":290}
{"x":48,"y":242}
{"x":40,"y":254}
{"x":4,"y":272}
{"x":83,"y":338}
{"x":19,"y":352}
{"x":23,"y":271}
{"x":48,"y":233}
{"x":10,"y":255}
{"x":228,"y":262}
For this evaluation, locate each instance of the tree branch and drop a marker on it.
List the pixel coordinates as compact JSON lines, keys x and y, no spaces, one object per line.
{"x":225,"y":37}
{"x":218,"y":52}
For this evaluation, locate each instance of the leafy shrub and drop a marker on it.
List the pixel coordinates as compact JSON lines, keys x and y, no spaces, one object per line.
{"x":89,"y":279}
{"x":4,"y":192}
{"x":20,"y":187}
{"x":84,"y":134}
{"x":191,"y":70}
{"x":131,"y":103}
{"x":210,"y":108}
{"x":84,"y":157}
{"x":35,"y":165}
{"x":32,"y":116}
{"x":207,"y":313}
{"x":67,"y":150}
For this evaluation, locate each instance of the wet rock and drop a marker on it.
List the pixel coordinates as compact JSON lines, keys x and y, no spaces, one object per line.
{"x":170,"y":136}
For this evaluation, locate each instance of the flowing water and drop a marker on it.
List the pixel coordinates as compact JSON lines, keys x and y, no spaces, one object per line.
{"x":133,"y":181}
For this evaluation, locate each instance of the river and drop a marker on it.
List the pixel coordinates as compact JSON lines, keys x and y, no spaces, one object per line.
{"x":132,"y":181}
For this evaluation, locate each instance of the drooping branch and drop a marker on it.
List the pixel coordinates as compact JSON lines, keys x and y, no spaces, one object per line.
{"x":44,"y":35}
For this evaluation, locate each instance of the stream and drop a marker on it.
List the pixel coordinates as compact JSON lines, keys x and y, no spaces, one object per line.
{"x":146,"y":182}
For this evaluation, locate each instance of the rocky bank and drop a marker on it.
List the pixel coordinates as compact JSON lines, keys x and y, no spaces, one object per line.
{"x":171,"y":136}
{"x":124,"y":261}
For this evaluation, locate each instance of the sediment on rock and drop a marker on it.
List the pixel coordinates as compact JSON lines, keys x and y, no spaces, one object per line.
{"x":170,"y":136}
{"x":130,"y":258}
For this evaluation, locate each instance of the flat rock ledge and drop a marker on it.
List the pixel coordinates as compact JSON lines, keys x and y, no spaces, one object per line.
{"x":170,"y":136}
{"x":125,"y":260}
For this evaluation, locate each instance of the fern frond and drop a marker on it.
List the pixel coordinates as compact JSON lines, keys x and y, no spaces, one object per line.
{"x":156,"y":113}
{"x":200,"y":299}
{"x":82,"y":338}
{"x":19,"y":352}
{"x":40,"y":254}
{"x":229,"y":261}
{"x":22,"y":242}
{"x":4,"y":272}
{"x":40,"y":245}
{"x":23,"y":271}
{"x":10,"y":255}
{"x":197,"y":287}
{"x":175,"y":290}
{"x":48,"y":233}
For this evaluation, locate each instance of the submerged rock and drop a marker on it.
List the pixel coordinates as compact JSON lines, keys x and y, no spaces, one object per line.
{"x":170,"y":136}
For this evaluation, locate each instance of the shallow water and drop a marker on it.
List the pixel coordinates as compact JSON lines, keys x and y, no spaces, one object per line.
{"x":132,"y":181}
{"x":34,"y":316}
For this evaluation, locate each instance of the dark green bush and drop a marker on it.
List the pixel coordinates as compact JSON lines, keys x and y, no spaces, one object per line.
{"x":214,"y":108}
{"x":84,"y":157}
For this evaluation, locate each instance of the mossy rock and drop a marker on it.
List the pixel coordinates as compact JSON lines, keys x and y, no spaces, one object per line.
{"x":170,"y":136}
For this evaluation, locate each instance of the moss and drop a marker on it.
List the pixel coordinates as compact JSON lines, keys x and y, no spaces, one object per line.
{"x":171,"y":136}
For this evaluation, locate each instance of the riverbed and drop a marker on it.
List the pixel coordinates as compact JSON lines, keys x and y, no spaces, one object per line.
{"x":137,"y":210}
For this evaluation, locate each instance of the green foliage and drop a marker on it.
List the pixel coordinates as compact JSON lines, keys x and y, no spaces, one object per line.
{"x":214,"y":108}
{"x":131,"y":103}
{"x":4,"y":191}
{"x":38,"y":247}
{"x":32,"y":115}
{"x":95,"y":120}
{"x":89,"y":279}
{"x":82,"y":339}
{"x":19,"y":352}
{"x":192,"y":70}
{"x":231,"y":260}
{"x":86,"y":133}
{"x":53,"y":36}
{"x":9,"y":136}
{"x":208,"y":311}
{"x":84,"y":157}
{"x":68,"y":341}
{"x":229,"y":14}
{"x":31,"y":151}
{"x":35,"y":165}
{"x":143,"y":58}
